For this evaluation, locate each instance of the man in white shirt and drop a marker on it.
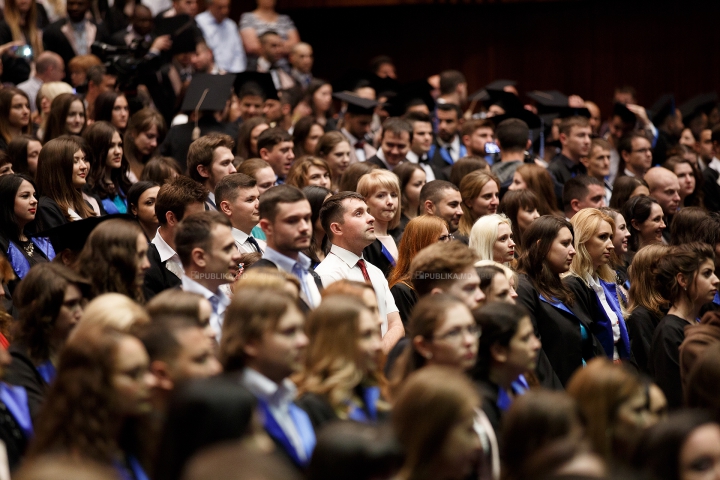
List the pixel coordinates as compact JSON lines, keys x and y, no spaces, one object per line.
{"x":237,"y":198}
{"x":356,"y":125}
{"x":422,"y":140}
{"x":209,"y":159}
{"x":176,"y":199}
{"x":350,"y":228}
{"x":206,"y":247}
{"x":222,"y":36}
{"x":285,"y":217}
{"x":265,"y":343}
{"x":49,"y":67}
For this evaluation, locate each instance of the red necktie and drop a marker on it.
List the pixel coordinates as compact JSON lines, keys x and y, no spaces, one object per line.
{"x":360,"y":145}
{"x":363,"y":269}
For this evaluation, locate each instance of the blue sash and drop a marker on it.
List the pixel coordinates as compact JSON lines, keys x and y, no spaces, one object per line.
{"x":47,"y":371}
{"x":20,"y":264}
{"x":387,"y":254}
{"x":606,"y":335}
{"x":519,"y":386}
{"x":302,"y":424}
{"x":111,"y":207}
{"x":136,"y":471}
{"x":561,"y":306}
{"x":716,"y":298}
{"x":370,"y":396}
{"x":15,"y":399}
{"x":445,"y":154}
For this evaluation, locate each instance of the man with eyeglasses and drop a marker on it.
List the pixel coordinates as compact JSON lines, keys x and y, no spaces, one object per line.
{"x":635,"y":155}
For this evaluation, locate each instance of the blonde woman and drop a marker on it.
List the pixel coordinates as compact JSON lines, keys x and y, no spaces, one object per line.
{"x":592,"y":281}
{"x":381,"y":190}
{"x":492,"y":238}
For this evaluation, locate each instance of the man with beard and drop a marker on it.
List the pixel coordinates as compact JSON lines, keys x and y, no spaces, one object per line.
{"x":286,"y":219}
{"x":442,"y":199}
{"x":447,"y":148}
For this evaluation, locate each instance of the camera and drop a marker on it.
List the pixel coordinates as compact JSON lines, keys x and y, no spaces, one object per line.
{"x":23,"y":51}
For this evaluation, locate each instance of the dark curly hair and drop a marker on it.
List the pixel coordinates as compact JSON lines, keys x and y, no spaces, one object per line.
{"x":38,"y":298}
{"x":109,"y":259}
{"x":685,"y":259}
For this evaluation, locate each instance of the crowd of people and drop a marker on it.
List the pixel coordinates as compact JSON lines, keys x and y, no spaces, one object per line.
{"x":216,"y":266}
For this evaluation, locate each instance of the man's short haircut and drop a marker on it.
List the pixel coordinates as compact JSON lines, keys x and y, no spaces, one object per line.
{"x":229,"y":187}
{"x":251,"y":89}
{"x":280,"y":194}
{"x":195,"y":231}
{"x":434,"y":191}
{"x":625,"y":143}
{"x":202,"y":150}
{"x":46,"y":60}
{"x":601,"y":143}
{"x":450,"y":107}
{"x":159,"y":336}
{"x":449,"y":81}
{"x":96,"y":74}
{"x":470,"y":127}
{"x":414,"y":117}
{"x":397,"y":126}
{"x":177,"y":194}
{"x":271,"y":137}
{"x":567,"y":124}
{"x":333,"y":210}
{"x":512,"y":135}
{"x":266,"y":34}
{"x":434,"y":266}
{"x":577,"y":188}
{"x":626,"y":89}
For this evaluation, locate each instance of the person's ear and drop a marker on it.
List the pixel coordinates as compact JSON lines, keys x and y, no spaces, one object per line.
{"x":133,"y":210}
{"x":199,"y":257}
{"x":162,"y":375}
{"x":266,"y":226}
{"x":575,"y":205}
{"x":563,"y":138}
{"x":634,"y":224}
{"x":499,"y":353}
{"x":465,"y":140}
{"x":528,"y":144}
{"x":170,"y":219}
{"x":336,"y":228}
{"x":225,"y":207}
{"x":682,"y":281}
{"x":625,"y":155}
{"x":422,"y":345}
{"x":585,"y":161}
{"x":264,"y":153}
{"x":203,"y":171}
{"x":286,"y":109}
{"x":252,"y":349}
{"x":429,"y":207}
{"x":436,"y":291}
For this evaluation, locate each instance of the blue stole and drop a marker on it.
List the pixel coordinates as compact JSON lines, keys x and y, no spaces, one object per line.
{"x":20,"y":264}
{"x":370,"y":396}
{"x":387,"y":254}
{"x":111,"y":207}
{"x":445,"y":154}
{"x":302,"y":424}
{"x":519,"y":386}
{"x":15,"y":399}
{"x":716,"y":298}
{"x":47,"y":371}
{"x":605,"y":336}
{"x":136,"y":471}
{"x":561,"y":306}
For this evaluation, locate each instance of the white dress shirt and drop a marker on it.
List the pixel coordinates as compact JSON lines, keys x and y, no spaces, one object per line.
{"x":241,"y":242}
{"x":224,"y":41}
{"x":341,"y":263}
{"x":309,"y":291}
{"x":359,"y":152}
{"x":453,"y":147}
{"x":218,"y":300}
{"x":168,"y":255}
{"x":278,"y":399}
{"x":413,"y":157}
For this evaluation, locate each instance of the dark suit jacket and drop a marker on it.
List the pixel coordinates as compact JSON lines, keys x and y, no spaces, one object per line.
{"x":158,"y":277}
{"x":178,"y":139}
{"x":375,"y":160}
{"x":268,"y":264}
{"x":55,"y":40}
{"x":563,"y":169}
{"x":711,"y":189}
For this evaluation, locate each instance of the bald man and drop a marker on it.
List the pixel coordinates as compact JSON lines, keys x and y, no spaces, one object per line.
{"x":301,"y":59}
{"x":664,"y":187}
{"x":49,"y":67}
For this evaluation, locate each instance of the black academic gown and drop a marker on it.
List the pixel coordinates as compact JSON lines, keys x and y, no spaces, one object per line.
{"x":563,"y":349}
{"x":664,"y":362}
{"x":22,"y":372}
{"x":49,"y":214}
{"x":562,"y":169}
{"x":641,"y":326}
{"x":178,"y":139}
{"x":405,"y":299}
{"x":711,"y":189}
{"x":158,"y":277}
{"x":373,"y":254}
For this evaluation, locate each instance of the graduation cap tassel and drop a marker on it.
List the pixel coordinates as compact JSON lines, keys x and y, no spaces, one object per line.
{"x":196,"y":130}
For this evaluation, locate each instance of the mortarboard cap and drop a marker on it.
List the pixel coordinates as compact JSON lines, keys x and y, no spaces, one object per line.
{"x":698,"y":105}
{"x":532,"y":120}
{"x":567,"y":112}
{"x":208,"y":93}
{"x":73,"y":235}
{"x":412,"y":93}
{"x":355,"y":104}
{"x":663,"y":108}
{"x":549,"y":101}
{"x":261,"y":81}
{"x":182,"y":31}
{"x":620,"y":110}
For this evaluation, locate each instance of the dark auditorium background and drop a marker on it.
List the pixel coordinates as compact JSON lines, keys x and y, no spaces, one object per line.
{"x":578,"y":47}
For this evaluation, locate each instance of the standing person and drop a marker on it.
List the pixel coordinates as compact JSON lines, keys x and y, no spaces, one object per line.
{"x":412,"y":178}
{"x":221,"y":35}
{"x":342,"y":378}
{"x":103,"y":379}
{"x":49,"y":67}
{"x":61,"y":199}
{"x":381,"y":191}
{"x":263,"y":353}
{"x":67,"y":117}
{"x":334,"y":148}
{"x":23,"y":23}
{"x":350,"y":228}
{"x":14,"y":116}
{"x":109,"y":172}
{"x":275,"y":146}
{"x":593,"y":281}
{"x":356,"y":125}
{"x":597,"y":164}
{"x":145,"y":131}
{"x":686,"y":278}
{"x":568,"y":342}
{"x":265,"y":18}
{"x":575,"y":140}
{"x":265,"y":177}
{"x":141,"y":198}
{"x":479,"y":191}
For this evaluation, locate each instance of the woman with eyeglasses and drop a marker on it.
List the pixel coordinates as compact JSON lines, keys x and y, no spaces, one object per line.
{"x":50,"y":301}
{"x":421,"y":232}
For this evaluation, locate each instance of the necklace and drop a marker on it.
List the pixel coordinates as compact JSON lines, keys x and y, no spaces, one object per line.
{"x":29,"y":249}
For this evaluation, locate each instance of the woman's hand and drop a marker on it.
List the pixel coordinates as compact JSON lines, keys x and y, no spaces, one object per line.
{"x":8,"y":47}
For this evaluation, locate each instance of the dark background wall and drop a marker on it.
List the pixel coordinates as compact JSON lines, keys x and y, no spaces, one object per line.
{"x":581,"y":47}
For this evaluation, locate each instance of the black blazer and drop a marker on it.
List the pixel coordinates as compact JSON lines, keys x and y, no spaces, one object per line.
{"x":318,"y":281}
{"x":49,"y":214}
{"x":405,"y":299}
{"x":55,"y":40}
{"x":158,"y":277}
{"x":560,"y":334}
{"x":641,"y":325}
{"x":711,"y":189}
{"x":373,"y":254}
{"x":375,"y":160}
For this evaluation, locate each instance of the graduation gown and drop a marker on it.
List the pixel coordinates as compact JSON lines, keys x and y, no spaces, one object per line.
{"x":664,"y":362}
{"x":711,"y":189}
{"x":567,"y":341}
{"x":405,"y":299}
{"x":23,"y":373}
{"x":641,"y":326}
{"x":377,"y":254}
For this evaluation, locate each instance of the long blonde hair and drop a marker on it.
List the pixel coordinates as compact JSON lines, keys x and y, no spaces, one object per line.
{"x":12,"y":18}
{"x":484,"y":234}
{"x":585,"y":223}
